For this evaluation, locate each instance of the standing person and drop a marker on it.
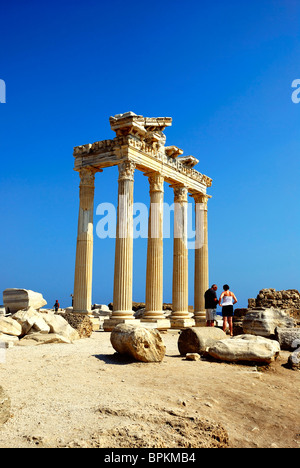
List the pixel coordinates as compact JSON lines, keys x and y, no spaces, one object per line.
{"x":227,"y":301}
{"x":211,"y":302}
{"x":56,"y":306}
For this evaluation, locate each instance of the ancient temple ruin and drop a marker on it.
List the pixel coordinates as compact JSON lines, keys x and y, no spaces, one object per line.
{"x":140,"y":144}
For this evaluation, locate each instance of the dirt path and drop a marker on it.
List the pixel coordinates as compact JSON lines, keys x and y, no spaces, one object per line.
{"x":84,"y":395}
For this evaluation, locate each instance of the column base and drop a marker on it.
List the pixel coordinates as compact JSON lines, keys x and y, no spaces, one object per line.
{"x":182,"y":322}
{"x":160,"y":324}
{"x":82,"y":312}
{"x":110,"y":324}
{"x":200,"y":319}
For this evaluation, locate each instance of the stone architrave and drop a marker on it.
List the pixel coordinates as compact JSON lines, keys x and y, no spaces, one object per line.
{"x":84,"y":251}
{"x":180,"y":318}
{"x":154,"y":275}
{"x":201,"y":280}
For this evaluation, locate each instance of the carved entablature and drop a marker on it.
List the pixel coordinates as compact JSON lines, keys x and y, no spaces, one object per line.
{"x":141,"y":139}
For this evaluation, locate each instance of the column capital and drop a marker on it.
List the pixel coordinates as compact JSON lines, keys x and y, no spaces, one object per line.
{"x":200,"y":197}
{"x":87,"y":176}
{"x":156,"y":181}
{"x":180,"y":193}
{"x":126,"y":170}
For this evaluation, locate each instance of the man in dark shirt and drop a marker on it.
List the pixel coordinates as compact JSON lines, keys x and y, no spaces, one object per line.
{"x":211,"y":302}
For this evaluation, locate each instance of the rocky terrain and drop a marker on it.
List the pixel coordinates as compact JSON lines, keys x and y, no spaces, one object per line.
{"x":201,"y":388}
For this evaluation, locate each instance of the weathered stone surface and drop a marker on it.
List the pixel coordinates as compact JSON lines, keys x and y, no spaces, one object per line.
{"x":5,"y":407}
{"x":294,"y":358}
{"x":245,"y":348}
{"x":263,"y":322}
{"x":18,"y":299}
{"x":41,"y":338}
{"x":277,"y":299}
{"x":81,"y":323}
{"x":142,"y":344}
{"x":287,"y":336}
{"x":31,"y":319}
{"x":197,"y":340}
{"x":60,"y":326}
{"x":9,"y":326}
{"x":8,"y":340}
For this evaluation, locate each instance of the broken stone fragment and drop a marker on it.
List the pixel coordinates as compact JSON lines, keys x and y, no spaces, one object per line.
{"x":19,"y":299}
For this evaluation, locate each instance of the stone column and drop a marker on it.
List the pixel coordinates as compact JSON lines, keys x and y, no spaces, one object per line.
{"x":122,"y":300}
{"x":201,"y":258}
{"x":181,"y":317}
{"x":154,"y":276}
{"x":84,"y":251}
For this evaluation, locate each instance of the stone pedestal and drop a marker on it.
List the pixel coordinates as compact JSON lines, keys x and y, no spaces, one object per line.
{"x":84,"y":251}
{"x":180,"y":317}
{"x":201,"y":259}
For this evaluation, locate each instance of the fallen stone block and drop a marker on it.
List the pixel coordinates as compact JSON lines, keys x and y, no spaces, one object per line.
{"x":19,"y":299}
{"x":263,"y":322}
{"x":197,"y":339}
{"x":31,"y":319}
{"x":140,"y":343}
{"x":60,"y":326}
{"x":286,"y":337}
{"x":8,"y":340}
{"x":9,"y":326}
{"x":245,"y":348}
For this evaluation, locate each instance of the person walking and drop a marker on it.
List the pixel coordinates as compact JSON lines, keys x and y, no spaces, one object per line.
{"x":211,"y":302}
{"x":227,"y":301}
{"x":56,"y":306}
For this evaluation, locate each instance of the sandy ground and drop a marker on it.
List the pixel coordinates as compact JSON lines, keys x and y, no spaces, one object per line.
{"x":85,"y":395}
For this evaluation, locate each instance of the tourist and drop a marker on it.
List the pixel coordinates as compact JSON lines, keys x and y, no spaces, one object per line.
{"x":227,"y":301}
{"x":211,"y":302}
{"x":56,"y":306}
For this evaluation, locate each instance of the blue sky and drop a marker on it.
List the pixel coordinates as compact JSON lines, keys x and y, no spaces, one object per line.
{"x":221,"y":69}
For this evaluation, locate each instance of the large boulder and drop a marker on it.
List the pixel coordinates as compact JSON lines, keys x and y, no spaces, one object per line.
{"x":263,"y":322}
{"x":245,"y":348}
{"x":60,"y":326}
{"x":9,"y":326}
{"x":31,"y":319}
{"x":198,"y":339}
{"x":140,"y":343}
{"x":18,"y":299}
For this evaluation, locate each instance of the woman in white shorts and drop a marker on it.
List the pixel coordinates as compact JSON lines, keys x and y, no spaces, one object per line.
{"x":227,"y":301}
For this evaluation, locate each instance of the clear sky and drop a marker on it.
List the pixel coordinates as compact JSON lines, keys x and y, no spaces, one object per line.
{"x":221,"y":69}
